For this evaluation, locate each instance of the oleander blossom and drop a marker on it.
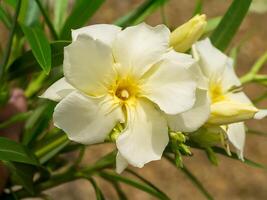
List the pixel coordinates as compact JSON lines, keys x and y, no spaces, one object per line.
{"x":125,"y":76}
{"x":229,"y":105}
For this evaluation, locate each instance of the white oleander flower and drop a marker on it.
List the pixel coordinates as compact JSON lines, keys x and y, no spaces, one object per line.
{"x":122,"y":76}
{"x":229,"y":105}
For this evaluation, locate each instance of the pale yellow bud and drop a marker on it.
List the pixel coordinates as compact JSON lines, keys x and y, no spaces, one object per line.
{"x":228,"y":111}
{"x":183,"y":37}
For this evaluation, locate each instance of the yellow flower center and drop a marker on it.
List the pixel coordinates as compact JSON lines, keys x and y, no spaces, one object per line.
{"x":125,"y":90}
{"x":216,"y":92}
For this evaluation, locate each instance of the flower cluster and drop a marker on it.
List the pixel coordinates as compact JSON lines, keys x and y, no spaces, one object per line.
{"x":137,"y":86}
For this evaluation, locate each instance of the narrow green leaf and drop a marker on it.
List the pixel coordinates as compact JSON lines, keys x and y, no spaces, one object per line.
{"x":5,"y":18}
{"x":212,"y":24}
{"x":234,"y":156}
{"x":193,"y":179}
{"x":83,"y":10}
{"x":14,"y":119}
{"x":133,"y":183}
{"x":37,"y":122}
{"x":48,"y":148}
{"x":12,"y":3}
{"x":230,"y":23}
{"x":22,"y":174}
{"x":13,"y":151}
{"x":5,"y":61}
{"x":39,"y":45}
{"x":140,"y":13}
{"x":47,"y":20}
{"x":198,"y":7}
{"x":148,"y":183}
{"x":27,"y":64}
{"x":98,"y":193}
{"x":121,"y":194}
{"x":60,"y":13}
{"x":29,"y":13}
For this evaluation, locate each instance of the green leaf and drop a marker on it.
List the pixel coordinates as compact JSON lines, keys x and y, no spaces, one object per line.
{"x":60,"y":13}
{"x":37,"y":122}
{"x":193,"y":179}
{"x":83,"y":10}
{"x":13,"y":151}
{"x":121,"y":194}
{"x":12,"y":3}
{"x":198,"y":7}
{"x":14,"y":119}
{"x":27,"y":64}
{"x":5,"y":18}
{"x":39,"y":45}
{"x":140,"y":13}
{"x":98,"y":192}
{"x":141,"y":186}
{"x":22,"y":174}
{"x":212,"y":24}
{"x":49,"y":147}
{"x":147,"y":182}
{"x":235,"y":157}
{"x":230,"y":23}
{"x":29,"y":13}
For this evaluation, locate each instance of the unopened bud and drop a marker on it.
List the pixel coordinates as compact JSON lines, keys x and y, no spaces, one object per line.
{"x":226,"y":112}
{"x":183,"y":37}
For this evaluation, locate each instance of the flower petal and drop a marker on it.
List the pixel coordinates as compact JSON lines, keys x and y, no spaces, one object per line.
{"x":192,"y":119}
{"x":106,"y":33}
{"x":212,"y":61}
{"x":87,"y":63}
{"x":145,"y":136}
{"x":121,"y":163}
{"x":136,"y":48}
{"x":85,"y":119}
{"x":237,"y":134}
{"x":171,"y":87}
{"x":58,"y":90}
{"x":229,"y":77}
{"x":261,"y":114}
{"x":186,"y":61}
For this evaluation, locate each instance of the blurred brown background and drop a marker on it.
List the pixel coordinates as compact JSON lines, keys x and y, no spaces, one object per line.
{"x":231,"y":179}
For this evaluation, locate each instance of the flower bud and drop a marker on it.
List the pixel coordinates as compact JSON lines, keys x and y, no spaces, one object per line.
{"x":208,"y":136}
{"x":183,"y":37}
{"x":228,"y":111}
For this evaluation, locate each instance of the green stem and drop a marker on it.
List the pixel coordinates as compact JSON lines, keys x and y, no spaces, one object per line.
{"x":47,"y":20}
{"x":9,"y":44}
{"x":259,"y":63}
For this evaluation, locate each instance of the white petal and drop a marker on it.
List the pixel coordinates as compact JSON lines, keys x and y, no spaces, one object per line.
{"x":85,"y":119}
{"x":88,"y":65}
{"x":136,"y":48}
{"x":237,"y":134}
{"x":261,"y":114}
{"x":229,"y":77}
{"x":239,"y":97}
{"x":192,"y":119}
{"x":171,"y":87}
{"x":121,"y":163}
{"x":145,"y":136}
{"x":185,"y":60}
{"x":106,"y":33}
{"x":58,"y":90}
{"x":212,"y":61}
